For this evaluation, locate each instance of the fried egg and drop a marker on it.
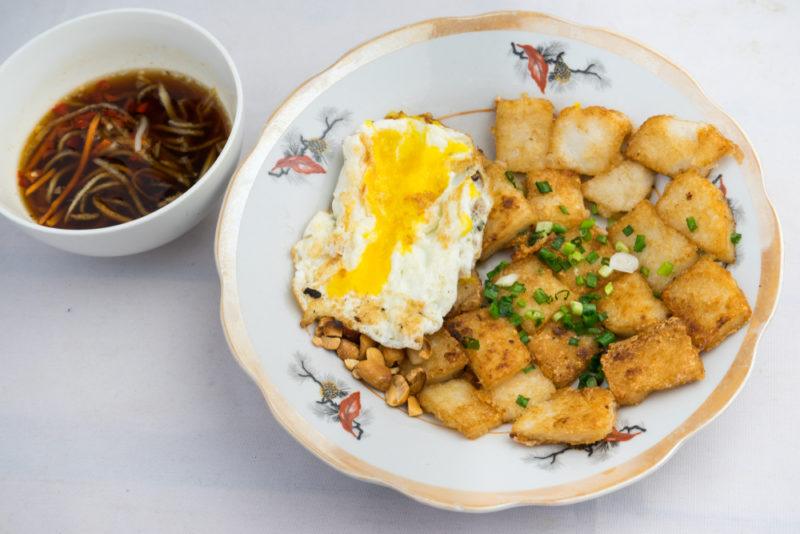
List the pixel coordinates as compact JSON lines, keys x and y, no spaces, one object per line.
{"x":406,"y":223}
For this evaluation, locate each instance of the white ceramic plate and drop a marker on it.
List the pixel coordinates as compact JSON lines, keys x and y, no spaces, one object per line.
{"x":447,"y":66}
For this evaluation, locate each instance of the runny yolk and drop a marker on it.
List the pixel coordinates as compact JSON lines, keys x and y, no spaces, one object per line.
{"x":404,"y":177}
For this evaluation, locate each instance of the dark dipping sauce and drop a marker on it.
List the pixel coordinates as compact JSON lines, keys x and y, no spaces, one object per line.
{"x":120,"y":148}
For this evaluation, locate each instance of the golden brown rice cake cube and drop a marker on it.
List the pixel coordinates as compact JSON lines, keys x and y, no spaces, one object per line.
{"x":659,"y":357}
{"x":457,"y":405}
{"x":510,"y":212}
{"x":500,"y":353}
{"x":670,"y":145}
{"x":447,"y":358}
{"x":664,"y":245}
{"x":522,"y":132}
{"x":690,"y":194}
{"x":588,"y":140}
{"x":631,"y":306}
{"x":534,"y":275}
{"x":619,"y":189}
{"x":566,"y":194}
{"x":709,"y":301}
{"x":569,"y":276}
{"x":469,"y":295}
{"x":522,"y":389}
{"x":561,"y":362}
{"x":571,"y":416}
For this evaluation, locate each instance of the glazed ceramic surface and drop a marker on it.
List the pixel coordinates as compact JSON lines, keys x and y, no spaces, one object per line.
{"x":446,"y":67}
{"x":86,"y":49}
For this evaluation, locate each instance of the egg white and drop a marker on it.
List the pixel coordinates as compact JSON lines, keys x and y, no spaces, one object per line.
{"x":422,"y":282}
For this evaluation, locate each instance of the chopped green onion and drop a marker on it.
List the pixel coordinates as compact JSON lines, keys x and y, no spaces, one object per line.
{"x":594,"y":331}
{"x":605,"y":261}
{"x":523,"y":336}
{"x":538,"y":317}
{"x":550,"y":258}
{"x":557,"y":242}
{"x":665,"y":269}
{"x":540,"y":296}
{"x":591,"y":280}
{"x":640,"y":244}
{"x":490,"y":291}
{"x":593,"y":208}
{"x":580,"y":280}
{"x":544,"y":187}
{"x":574,"y":341}
{"x":494,"y":310}
{"x":559,"y":228}
{"x":587,"y":224}
{"x":491,"y":275}
{"x":514,"y":318}
{"x":510,"y":177}
{"x":557,"y":316}
{"x":628,"y":230}
{"x":576,"y":307}
{"x":606,"y":338}
{"x":621,"y":247}
{"x":522,"y":401}
{"x":568,"y":248}
{"x":609,"y":288}
{"x":735,"y":238}
{"x":593,"y":376}
{"x":563,"y":209}
{"x":517,"y":288}
{"x":470,"y":343}
{"x":528,"y":369}
{"x":644,"y":270}
{"x":590,"y":382}
{"x":601,"y":238}
{"x":691,"y":223}
{"x":544,"y":226}
{"x":575,"y":257}
{"x":521,"y":303}
{"x":592,"y":256}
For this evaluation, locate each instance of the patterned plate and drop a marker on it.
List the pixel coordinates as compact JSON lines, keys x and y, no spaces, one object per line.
{"x":454,"y":68}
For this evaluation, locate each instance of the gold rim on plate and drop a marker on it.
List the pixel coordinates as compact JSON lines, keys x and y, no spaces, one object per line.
{"x":595,"y":485}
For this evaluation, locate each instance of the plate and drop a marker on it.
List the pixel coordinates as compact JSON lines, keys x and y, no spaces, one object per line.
{"x":454,"y":68}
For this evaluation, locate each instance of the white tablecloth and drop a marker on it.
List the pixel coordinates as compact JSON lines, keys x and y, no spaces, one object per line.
{"x":121,"y":409}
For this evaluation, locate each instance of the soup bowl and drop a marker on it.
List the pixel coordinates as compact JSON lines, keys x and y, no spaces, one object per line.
{"x":88,"y":48}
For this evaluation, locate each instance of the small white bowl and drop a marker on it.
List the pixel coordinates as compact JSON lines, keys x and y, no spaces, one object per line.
{"x":87,"y":48}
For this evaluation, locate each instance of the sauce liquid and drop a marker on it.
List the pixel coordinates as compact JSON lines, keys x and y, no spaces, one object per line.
{"x":154,"y":135}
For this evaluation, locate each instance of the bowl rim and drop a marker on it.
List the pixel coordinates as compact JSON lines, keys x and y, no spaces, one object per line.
{"x":234,"y":202}
{"x":236,"y":123}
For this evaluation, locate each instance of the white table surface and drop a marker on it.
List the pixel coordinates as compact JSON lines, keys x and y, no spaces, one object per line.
{"x":121,"y":409}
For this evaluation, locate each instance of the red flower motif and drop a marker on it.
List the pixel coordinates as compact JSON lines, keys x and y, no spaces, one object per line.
{"x":537,"y":66}
{"x":617,"y":436}
{"x":349,"y":409}
{"x":301,"y":164}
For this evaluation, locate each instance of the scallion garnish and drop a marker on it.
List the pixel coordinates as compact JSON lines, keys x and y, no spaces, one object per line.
{"x":574,"y":341}
{"x":591,"y":280}
{"x":528,"y":369}
{"x":621,"y":247}
{"x":606,"y":338}
{"x":628,"y":230}
{"x":559,"y":228}
{"x":470,"y":343}
{"x":735,"y":238}
{"x":511,"y":178}
{"x":568,"y":248}
{"x":592,"y":256}
{"x":644,"y":270}
{"x":601,"y":238}
{"x":517,"y":288}
{"x":541,"y":297}
{"x":691,"y":223}
{"x":544,"y":227}
{"x":609,"y":288}
{"x":580,"y":280}
{"x":522,"y":401}
{"x":593,"y":208}
{"x":587,"y":224}
{"x":563,"y":209}
{"x":524,"y":337}
{"x":576,"y":307}
{"x":665,"y":269}
{"x":491,"y":275}
{"x":640,"y":244}
{"x":544,"y":187}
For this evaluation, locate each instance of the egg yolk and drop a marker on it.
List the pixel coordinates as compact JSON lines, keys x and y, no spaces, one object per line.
{"x":404,"y":177}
